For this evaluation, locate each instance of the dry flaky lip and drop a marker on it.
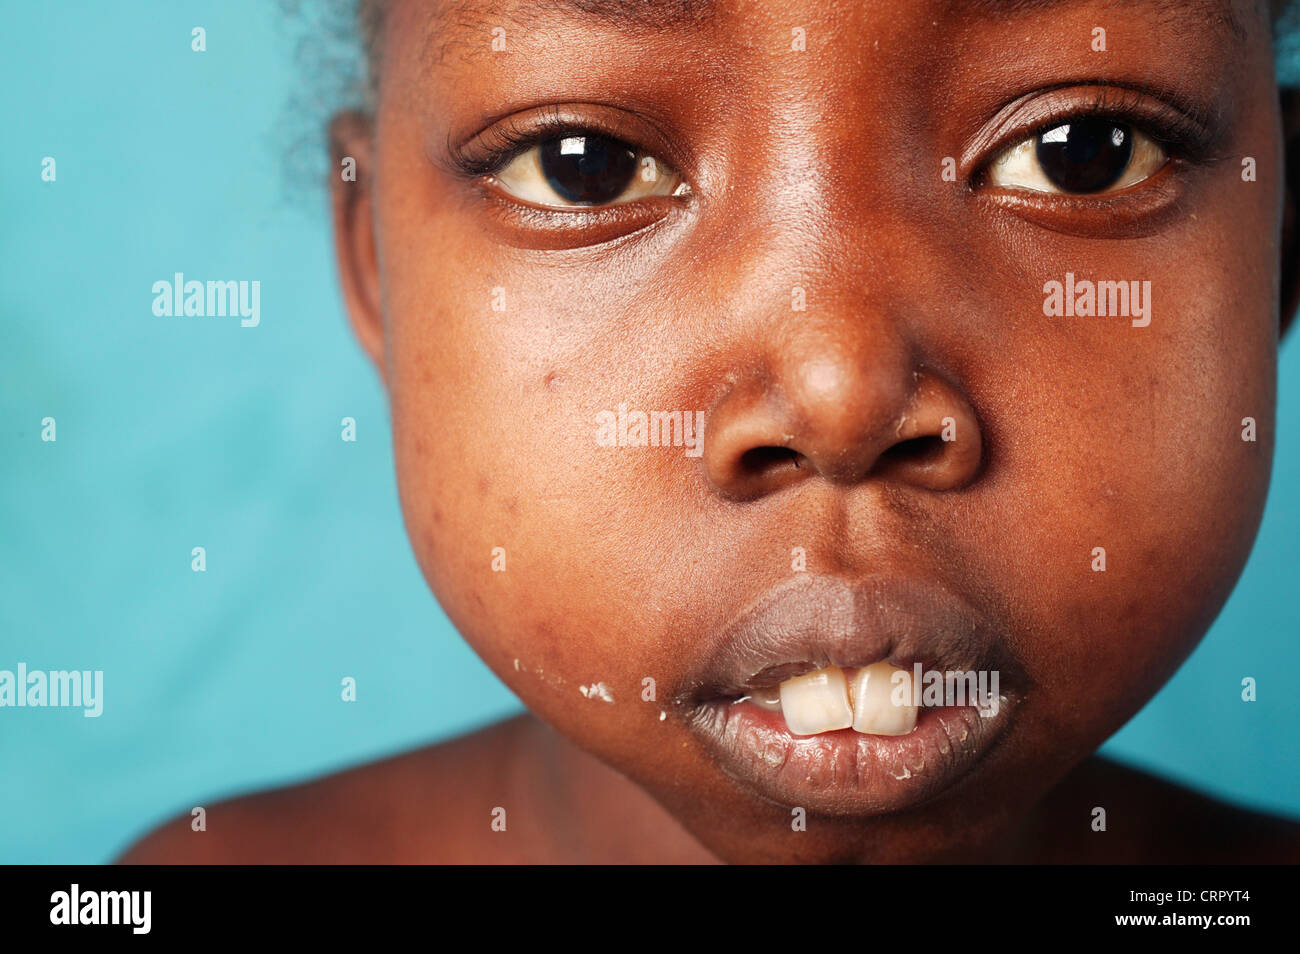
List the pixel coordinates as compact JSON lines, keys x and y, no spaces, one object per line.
{"x":844,"y":772}
{"x":812,"y":622}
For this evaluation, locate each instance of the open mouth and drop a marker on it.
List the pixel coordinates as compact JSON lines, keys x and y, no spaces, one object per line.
{"x":854,"y":698}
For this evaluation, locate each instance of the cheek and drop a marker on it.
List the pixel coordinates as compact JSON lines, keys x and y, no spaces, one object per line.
{"x":1133,"y":496}
{"x":532,"y":535}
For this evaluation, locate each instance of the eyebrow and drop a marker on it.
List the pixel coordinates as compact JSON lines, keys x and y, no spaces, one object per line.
{"x":643,"y":14}
{"x":638,"y":15}
{"x":1218,"y":13}
{"x":452,"y":19}
{"x":661,"y":15}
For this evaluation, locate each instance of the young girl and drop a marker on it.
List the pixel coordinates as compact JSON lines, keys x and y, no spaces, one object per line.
{"x":763,"y":375}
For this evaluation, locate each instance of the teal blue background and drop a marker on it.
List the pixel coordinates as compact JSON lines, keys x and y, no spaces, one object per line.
{"x":174,"y":434}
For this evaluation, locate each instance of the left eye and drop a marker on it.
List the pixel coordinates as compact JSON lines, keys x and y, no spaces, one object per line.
{"x":586,"y":170}
{"x":1085,"y":156}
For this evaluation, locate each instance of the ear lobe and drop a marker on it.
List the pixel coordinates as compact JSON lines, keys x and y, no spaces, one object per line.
{"x":352,"y":199}
{"x":1290,"y":266}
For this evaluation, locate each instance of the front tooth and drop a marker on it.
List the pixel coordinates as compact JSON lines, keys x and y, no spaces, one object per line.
{"x":817,"y":702}
{"x":874,"y":710}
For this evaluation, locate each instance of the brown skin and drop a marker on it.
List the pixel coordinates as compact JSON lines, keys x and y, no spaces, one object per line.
{"x":819,"y":169}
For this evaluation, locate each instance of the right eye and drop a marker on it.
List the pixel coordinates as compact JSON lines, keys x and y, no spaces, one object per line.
{"x":584,"y":170}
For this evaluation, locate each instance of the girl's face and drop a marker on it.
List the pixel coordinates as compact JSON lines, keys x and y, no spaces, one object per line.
{"x":858,"y":239}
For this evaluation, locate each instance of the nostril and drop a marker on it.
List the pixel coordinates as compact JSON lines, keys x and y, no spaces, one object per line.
{"x":762,"y":461}
{"x":918,"y":451}
{"x":788,"y":427}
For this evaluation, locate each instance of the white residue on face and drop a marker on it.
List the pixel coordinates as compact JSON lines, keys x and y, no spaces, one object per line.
{"x":597,"y":690}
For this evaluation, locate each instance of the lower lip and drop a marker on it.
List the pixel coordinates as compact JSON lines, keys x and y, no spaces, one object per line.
{"x":846,"y":772}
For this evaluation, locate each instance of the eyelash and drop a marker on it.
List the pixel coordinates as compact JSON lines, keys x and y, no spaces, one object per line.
{"x":1182,"y":133}
{"x":506,"y":140}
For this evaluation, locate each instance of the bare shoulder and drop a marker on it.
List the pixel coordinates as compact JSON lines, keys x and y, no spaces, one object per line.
{"x":1152,"y":820}
{"x":429,"y":805}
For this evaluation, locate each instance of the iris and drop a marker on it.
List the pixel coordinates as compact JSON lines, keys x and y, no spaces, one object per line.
{"x":1085,"y":155}
{"x":587,"y":170}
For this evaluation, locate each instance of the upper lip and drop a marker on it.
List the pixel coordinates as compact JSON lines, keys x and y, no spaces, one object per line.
{"x":816,"y":621}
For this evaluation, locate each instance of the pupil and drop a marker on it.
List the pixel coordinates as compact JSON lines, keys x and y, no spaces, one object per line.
{"x":1085,"y":155}
{"x":588,"y":170}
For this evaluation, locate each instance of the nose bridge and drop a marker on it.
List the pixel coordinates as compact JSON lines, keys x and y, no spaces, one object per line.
{"x":816,"y":200}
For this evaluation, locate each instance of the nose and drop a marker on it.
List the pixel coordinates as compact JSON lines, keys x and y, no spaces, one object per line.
{"x":843,"y":403}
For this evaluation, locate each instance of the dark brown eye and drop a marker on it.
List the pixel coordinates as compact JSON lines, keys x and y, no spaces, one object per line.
{"x":1084,"y":156}
{"x":1087,"y":155}
{"x":587,"y":170}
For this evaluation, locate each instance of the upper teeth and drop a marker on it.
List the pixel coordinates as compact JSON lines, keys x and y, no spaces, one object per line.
{"x":830,"y":699}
